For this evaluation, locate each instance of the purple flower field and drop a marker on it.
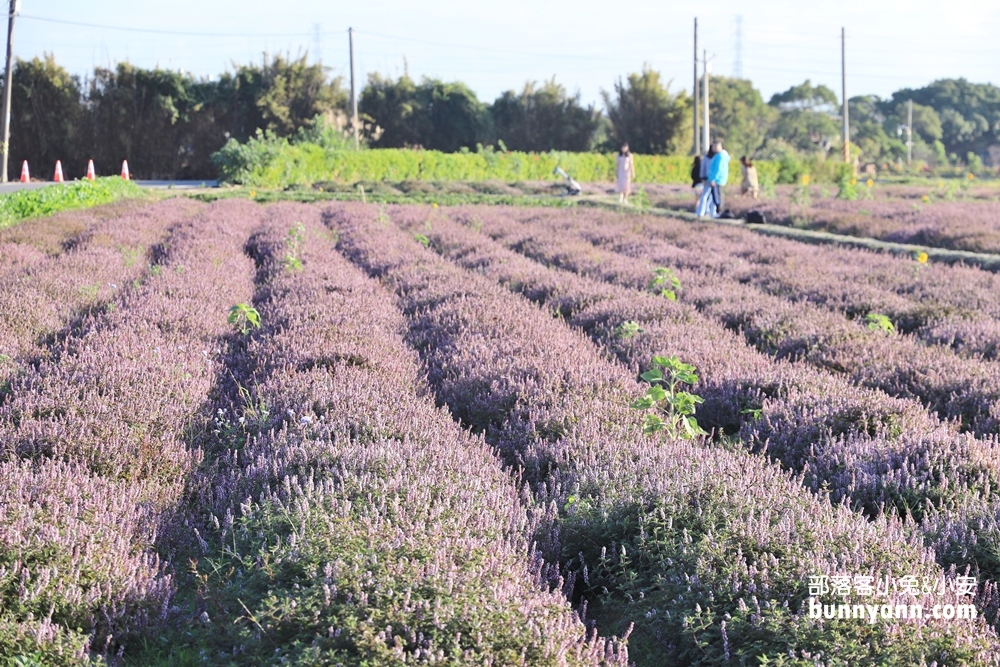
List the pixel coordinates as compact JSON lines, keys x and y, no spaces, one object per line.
{"x":939,"y":215}
{"x":352,"y":434}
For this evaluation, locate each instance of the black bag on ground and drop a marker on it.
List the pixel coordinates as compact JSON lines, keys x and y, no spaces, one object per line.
{"x":756,"y":218}
{"x":727,"y":215}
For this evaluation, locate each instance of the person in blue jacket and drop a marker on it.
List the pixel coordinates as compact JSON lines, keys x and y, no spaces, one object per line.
{"x":718,"y":175}
{"x":704,"y":206}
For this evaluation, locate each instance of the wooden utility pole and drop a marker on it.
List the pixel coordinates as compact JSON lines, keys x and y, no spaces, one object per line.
{"x":8,"y":83}
{"x":704,"y":99}
{"x":354,"y":93}
{"x":909,"y":132}
{"x":694,"y":93}
{"x":843,"y":92}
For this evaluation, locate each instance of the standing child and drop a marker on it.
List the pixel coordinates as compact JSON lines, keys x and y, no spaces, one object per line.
{"x":696,"y":177}
{"x":625,"y":167}
{"x":750,"y":183}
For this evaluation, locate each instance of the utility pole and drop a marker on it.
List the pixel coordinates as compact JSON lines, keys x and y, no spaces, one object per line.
{"x":704,"y":98}
{"x":8,"y":83}
{"x":354,"y":94}
{"x":694,"y":92}
{"x":843,"y":92}
{"x":909,"y":132}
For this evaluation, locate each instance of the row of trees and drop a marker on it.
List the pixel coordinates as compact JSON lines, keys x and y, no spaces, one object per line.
{"x":954,"y":121}
{"x":168,"y":124}
{"x":448,"y":116}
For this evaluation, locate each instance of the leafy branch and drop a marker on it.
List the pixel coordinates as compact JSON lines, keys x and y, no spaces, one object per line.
{"x":877,"y":322}
{"x":244,"y":316}
{"x":665,"y":283}
{"x":293,"y":243}
{"x":667,"y":407}
{"x":628,"y":329}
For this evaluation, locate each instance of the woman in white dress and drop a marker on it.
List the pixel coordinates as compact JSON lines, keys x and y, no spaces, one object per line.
{"x":625,"y":169}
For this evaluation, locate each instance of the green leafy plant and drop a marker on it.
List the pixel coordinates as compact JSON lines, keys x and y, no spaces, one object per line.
{"x":577,"y":503}
{"x":667,"y":407}
{"x":665,"y":283}
{"x":90,"y":291}
{"x":641,"y":199}
{"x":422,"y":239}
{"x":130,"y":255}
{"x":848,"y":185}
{"x":24,"y":204}
{"x":243,"y":317}
{"x":627,"y":329}
{"x":878,"y":322}
{"x":293,"y":244}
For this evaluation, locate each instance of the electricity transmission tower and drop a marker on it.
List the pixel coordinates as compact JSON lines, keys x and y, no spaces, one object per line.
{"x":738,"y":46}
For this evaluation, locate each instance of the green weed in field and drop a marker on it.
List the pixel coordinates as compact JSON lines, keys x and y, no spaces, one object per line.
{"x":627,"y":330}
{"x":664,"y":283}
{"x":293,"y":245}
{"x":668,"y":408}
{"x":878,"y":322}
{"x":244,"y":316}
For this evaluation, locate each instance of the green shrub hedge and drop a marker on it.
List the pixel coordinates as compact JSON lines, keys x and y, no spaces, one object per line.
{"x":268,"y":162}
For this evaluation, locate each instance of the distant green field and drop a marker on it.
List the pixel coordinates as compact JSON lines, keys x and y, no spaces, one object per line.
{"x":277,"y":164}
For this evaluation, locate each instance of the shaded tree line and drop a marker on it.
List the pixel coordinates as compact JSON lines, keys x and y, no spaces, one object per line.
{"x":437,"y":115}
{"x":955,"y":122}
{"x":165,"y":123}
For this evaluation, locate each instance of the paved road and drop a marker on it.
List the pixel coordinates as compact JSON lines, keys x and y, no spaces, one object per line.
{"x":7,"y":188}
{"x":177,"y":185}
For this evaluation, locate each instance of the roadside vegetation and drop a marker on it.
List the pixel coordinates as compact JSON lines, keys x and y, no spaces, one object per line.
{"x":24,"y":204}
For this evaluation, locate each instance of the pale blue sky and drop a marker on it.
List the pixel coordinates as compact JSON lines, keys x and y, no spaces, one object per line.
{"x":497,"y":46}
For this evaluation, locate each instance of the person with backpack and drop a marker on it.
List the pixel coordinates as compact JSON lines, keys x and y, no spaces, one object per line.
{"x":696,"y":177}
{"x":704,"y":206}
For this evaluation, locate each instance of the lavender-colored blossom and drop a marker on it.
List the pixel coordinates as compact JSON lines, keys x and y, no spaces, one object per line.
{"x":555,"y":408}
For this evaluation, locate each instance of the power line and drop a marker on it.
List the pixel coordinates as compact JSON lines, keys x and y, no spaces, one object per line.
{"x":157,"y":31}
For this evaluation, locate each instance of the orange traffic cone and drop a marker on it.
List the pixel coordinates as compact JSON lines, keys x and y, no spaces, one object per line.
{"x":91,"y":174}
{"x":125,"y":169}
{"x":25,"y":176}
{"x":58,"y":178}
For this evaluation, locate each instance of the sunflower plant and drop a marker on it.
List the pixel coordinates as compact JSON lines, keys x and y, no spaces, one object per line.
{"x":668,"y":408}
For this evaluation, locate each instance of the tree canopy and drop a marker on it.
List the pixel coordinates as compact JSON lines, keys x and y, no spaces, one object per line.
{"x":432,"y":114}
{"x":969,"y":113}
{"x":738,"y":115}
{"x":544,"y":118}
{"x":644,"y":113}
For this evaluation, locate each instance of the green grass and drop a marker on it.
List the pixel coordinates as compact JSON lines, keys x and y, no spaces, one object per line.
{"x":25,"y":204}
{"x":439,"y":198}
